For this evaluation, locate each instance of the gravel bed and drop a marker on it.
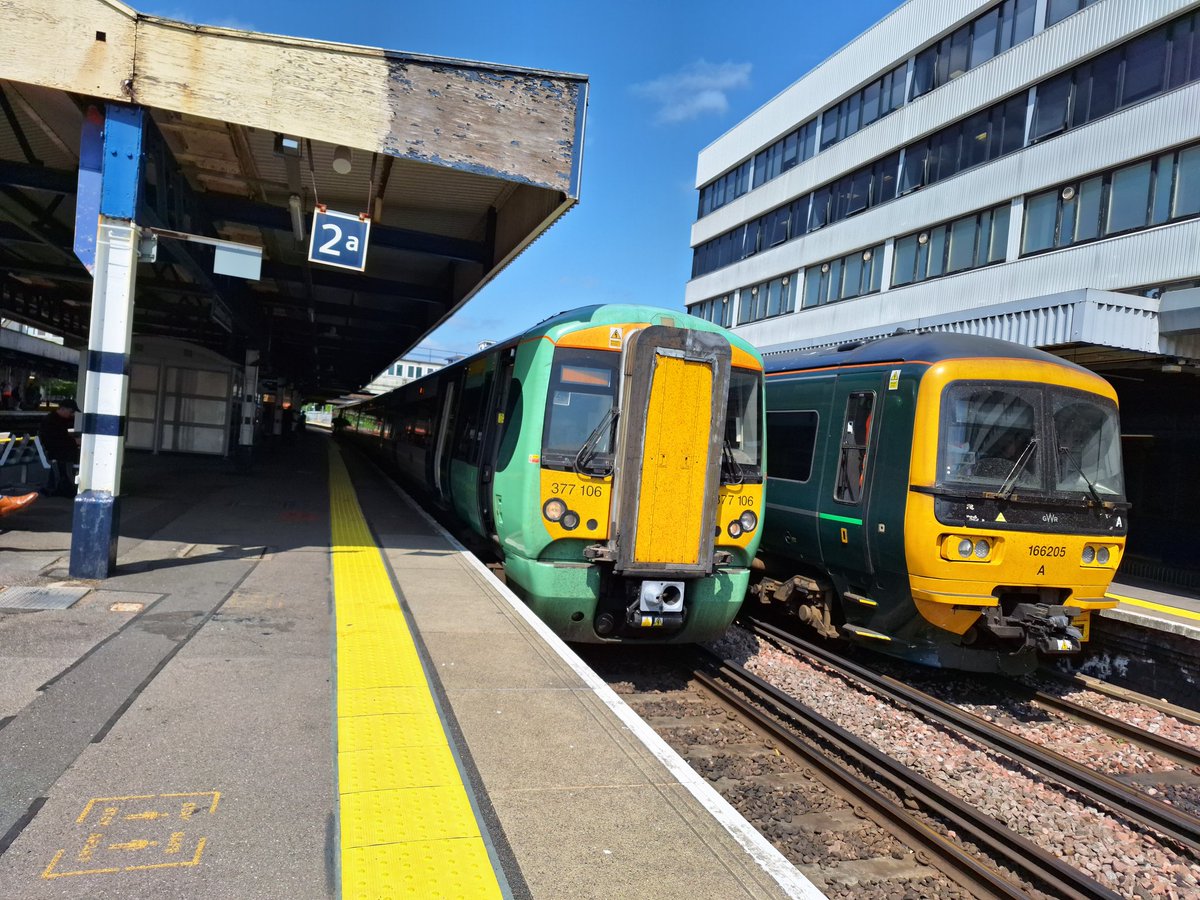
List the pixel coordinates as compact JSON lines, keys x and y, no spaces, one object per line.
{"x":1145,"y":717}
{"x":812,"y":825}
{"x":1131,"y":863}
{"x":1084,"y":743}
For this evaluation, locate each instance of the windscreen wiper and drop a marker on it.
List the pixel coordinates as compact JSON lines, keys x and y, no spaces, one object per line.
{"x":588,"y":449}
{"x":1010,"y":482}
{"x":1078,"y":468}
{"x":730,"y":464}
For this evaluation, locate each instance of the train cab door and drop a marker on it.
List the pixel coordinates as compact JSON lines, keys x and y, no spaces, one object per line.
{"x":844,"y":518}
{"x":494,"y":428}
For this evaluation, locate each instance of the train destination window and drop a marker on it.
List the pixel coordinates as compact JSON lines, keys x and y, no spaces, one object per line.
{"x":580,"y":409}
{"x":793,"y":440}
{"x":988,"y":435}
{"x":856,"y":440}
{"x":743,"y":444}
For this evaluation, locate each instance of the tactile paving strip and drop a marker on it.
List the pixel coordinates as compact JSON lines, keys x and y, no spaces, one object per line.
{"x":40,"y":597}
{"x":408,"y":828}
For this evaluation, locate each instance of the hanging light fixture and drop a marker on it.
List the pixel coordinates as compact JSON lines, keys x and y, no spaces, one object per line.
{"x":343,"y":161}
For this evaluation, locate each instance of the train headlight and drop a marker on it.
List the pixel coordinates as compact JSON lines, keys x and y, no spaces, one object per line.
{"x":982,"y":549}
{"x":965,"y":547}
{"x":1102,"y":556}
{"x":570,"y":521}
{"x":748,"y":520}
{"x":554,"y":509}
{"x":735,"y":529}
{"x":1089,"y":555}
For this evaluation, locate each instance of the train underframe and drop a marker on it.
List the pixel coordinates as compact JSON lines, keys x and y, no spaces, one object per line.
{"x":1008,"y":638}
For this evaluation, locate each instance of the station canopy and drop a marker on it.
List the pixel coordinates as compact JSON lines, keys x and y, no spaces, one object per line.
{"x":459,"y":165}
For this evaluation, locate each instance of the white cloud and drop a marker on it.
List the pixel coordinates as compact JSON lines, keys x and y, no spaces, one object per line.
{"x":697,"y":89}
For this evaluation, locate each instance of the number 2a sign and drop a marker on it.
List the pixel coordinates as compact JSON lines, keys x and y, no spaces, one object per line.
{"x":339,"y":239}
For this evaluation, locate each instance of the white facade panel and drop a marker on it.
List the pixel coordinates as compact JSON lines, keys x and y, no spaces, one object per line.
{"x":887,"y":43}
{"x":1136,"y":132}
{"x":1158,"y":254}
{"x":1082,"y":35}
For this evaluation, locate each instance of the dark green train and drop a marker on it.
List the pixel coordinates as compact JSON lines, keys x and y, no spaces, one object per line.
{"x":613,"y":457}
{"x":954,"y":500}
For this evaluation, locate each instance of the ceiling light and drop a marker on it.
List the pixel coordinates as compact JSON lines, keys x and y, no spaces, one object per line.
{"x":343,"y":162}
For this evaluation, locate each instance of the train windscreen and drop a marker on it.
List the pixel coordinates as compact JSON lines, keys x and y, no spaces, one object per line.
{"x":743,"y":427}
{"x":1014,"y":436}
{"x":580,"y":410}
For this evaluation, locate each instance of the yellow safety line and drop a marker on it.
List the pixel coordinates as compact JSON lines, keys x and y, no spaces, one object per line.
{"x":1173,"y":610}
{"x":408,"y":828}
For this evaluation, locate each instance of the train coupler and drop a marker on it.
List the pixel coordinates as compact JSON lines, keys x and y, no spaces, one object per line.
{"x":659,"y":606}
{"x":1043,"y":627}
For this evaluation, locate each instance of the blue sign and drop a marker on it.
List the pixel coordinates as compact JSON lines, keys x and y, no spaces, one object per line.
{"x":339,"y":239}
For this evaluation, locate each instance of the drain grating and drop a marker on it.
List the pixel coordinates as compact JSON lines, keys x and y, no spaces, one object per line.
{"x":54,"y":597}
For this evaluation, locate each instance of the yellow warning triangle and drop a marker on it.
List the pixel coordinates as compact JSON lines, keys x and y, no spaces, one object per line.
{"x":1000,"y":517}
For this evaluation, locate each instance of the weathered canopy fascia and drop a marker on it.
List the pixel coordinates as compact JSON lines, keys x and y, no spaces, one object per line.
{"x":521,"y":125}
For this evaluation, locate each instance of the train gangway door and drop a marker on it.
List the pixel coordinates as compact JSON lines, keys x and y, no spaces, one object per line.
{"x":673,"y":419}
{"x":843,"y":517}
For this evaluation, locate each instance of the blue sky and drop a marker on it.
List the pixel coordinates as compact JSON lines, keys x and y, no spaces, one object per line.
{"x":666,"y":80}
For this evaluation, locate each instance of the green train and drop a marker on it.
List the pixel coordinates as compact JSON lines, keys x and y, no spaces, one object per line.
{"x":954,"y":500}
{"x":612,"y":455}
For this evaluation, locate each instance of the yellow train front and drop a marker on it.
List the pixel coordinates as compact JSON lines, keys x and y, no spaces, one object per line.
{"x":612,"y":455}
{"x":962,"y":501}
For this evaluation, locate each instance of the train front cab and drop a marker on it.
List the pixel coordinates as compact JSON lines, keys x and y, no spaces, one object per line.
{"x":1016,"y":515}
{"x":649,"y":487}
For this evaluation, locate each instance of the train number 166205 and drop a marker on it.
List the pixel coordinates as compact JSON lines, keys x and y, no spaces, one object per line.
{"x":1047,"y":550}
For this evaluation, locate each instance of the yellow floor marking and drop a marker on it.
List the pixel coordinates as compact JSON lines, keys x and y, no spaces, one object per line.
{"x":122,"y":851}
{"x":408,"y":828}
{"x":1173,"y":610}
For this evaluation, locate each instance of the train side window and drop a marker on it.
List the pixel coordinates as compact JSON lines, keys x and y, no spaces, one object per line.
{"x":855,"y":445}
{"x":792,"y":437}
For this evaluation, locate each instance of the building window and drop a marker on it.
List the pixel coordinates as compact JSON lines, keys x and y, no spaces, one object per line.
{"x":1000,"y":28}
{"x":716,"y":309}
{"x":854,"y":275}
{"x":970,"y":242}
{"x":1139,"y":69}
{"x":1165,"y":188}
{"x":864,"y":107}
{"x":767,"y":300}
{"x":1060,"y":9}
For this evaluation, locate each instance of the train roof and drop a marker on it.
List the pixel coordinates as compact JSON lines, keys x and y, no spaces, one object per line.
{"x":922,"y":347}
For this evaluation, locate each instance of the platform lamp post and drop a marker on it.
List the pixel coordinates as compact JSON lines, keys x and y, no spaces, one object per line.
{"x":110,"y":182}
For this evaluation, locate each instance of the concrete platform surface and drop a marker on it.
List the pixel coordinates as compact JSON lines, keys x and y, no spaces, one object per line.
{"x":172,"y":733}
{"x":1151,"y":606}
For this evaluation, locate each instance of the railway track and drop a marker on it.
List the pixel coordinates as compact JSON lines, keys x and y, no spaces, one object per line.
{"x":784,"y":718}
{"x":743,"y":734}
{"x":1127,"y":802}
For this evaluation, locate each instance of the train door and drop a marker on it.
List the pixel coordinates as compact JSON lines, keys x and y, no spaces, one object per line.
{"x":441,"y":455}
{"x":494,"y":428}
{"x":844,"y":509}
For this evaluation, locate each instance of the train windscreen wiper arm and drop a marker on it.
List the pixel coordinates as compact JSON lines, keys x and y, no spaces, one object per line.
{"x":1078,"y":468}
{"x":1010,"y":482}
{"x":588,"y":448}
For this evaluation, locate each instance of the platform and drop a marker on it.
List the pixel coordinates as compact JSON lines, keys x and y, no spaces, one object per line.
{"x":211,"y":722}
{"x":1147,"y":606}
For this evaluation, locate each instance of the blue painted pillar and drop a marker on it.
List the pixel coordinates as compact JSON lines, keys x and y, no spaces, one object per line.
{"x":106,"y":383}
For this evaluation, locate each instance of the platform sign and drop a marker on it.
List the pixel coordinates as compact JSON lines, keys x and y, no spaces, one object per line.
{"x":339,"y":239}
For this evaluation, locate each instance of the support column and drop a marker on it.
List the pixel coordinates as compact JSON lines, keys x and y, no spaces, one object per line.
{"x":105,"y":394}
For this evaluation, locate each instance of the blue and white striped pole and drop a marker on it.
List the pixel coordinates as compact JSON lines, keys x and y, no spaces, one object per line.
{"x":106,"y":382}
